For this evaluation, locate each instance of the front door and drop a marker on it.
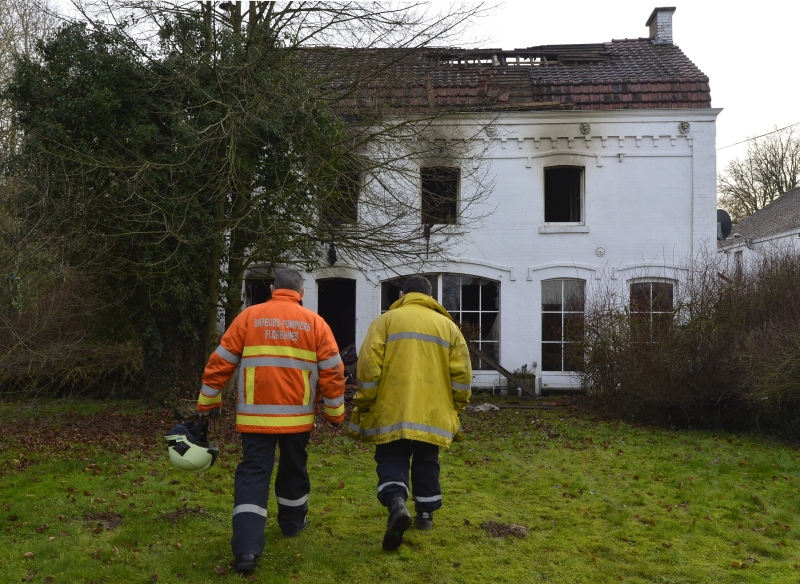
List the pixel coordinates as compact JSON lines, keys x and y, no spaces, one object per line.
{"x":337,"y":305}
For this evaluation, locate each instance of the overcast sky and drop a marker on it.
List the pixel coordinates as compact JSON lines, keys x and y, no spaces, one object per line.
{"x":750,"y":51}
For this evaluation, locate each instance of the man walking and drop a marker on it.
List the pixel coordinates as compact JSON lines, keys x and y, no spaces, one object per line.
{"x":285,"y":354}
{"x":414,"y":377}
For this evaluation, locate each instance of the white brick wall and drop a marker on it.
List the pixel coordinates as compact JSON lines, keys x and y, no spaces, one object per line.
{"x":650,"y":202}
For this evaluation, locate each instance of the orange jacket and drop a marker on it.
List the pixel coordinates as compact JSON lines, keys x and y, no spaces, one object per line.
{"x":285,"y":353}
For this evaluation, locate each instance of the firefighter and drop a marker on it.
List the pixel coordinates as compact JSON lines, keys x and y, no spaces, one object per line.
{"x":414,"y":377}
{"x":286,"y":356}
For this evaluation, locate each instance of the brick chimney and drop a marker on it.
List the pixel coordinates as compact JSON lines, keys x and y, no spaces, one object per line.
{"x":660,"y":23}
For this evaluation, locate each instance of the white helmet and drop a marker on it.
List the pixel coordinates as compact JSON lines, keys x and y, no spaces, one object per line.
{"x":186,"y":452}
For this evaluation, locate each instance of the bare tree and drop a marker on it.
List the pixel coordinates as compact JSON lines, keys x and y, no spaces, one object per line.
{"x":770,"y":168}
{"x":237,"y":136}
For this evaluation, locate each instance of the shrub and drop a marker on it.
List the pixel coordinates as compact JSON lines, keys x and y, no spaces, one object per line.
{"x":56,"y":340}
{"x":728,"y":355}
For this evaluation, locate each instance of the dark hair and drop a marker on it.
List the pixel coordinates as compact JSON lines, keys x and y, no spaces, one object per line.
{"x":290,"y":279}
{"x":417,"y":284}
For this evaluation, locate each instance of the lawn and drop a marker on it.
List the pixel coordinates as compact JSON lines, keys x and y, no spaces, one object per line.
{"x":87,"y":495}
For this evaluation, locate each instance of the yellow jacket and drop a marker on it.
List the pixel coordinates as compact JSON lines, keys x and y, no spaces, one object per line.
{"x":414,"y":375}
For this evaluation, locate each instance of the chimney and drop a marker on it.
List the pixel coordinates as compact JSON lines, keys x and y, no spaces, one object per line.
{"x":660,"y":23}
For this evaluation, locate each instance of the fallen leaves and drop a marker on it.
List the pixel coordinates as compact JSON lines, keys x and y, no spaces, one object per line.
{"x":28,"y":555}
{"x":220,"y":571}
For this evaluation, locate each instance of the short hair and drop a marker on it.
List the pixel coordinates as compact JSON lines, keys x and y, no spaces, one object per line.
{"x":290,"y":279}
{"x":417,"y":284}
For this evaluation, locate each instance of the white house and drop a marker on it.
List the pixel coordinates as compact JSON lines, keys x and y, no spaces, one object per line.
{"x":603,"y":164}
{"x":775,"y":228}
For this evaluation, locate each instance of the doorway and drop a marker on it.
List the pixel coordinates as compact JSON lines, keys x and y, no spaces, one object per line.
{"x":336,"y":303}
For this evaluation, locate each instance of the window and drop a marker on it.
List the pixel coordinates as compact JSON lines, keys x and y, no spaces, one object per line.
{"x":651,"y":307}
{"x":342,"y":207}
{"x":257,"y":290}
{"x":439,"y":194}
{"x":562,"y":194}
{"x":390,"y":290}
{"x":474,"y":304}
{"x":562,"y":324}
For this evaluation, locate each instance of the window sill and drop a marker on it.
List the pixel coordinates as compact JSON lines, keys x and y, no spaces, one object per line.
{"x":560,"y":228}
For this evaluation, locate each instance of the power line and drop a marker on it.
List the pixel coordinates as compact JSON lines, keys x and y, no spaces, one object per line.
{"x":761,"y":136}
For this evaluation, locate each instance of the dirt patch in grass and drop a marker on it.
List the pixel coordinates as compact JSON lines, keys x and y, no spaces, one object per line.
{"x":496,"y":529}
{"x":107,"y":519}
{"x":178,"y":514}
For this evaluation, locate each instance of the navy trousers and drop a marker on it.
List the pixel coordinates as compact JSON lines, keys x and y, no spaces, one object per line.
{"x":394,"y":460}
{"x":251,"y":488}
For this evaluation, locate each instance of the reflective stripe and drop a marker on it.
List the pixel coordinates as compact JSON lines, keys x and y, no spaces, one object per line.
{"x":328,"y":363}
{"x":274,"y":421}
{"x":306,"y":388}
{"x":250,"y":509}
{"x":460,"y":386}
{"x":209,"y":391}
{"x":204,"y":400}
{"x":292,"y":503}
{"x":227,"y":355}
{"x":278,"y":362}
{"x":249,"y":384}
{"x":367,"y":384}
{"x":279,"y":351}
{"x":333,"y":412}
{"x":428,"y":499}
{"x":401,"y":426}
{"x":335,"y":401}
{"x":384,"y":485}
{"x":274,"y":409}
{"x":419,"y":337}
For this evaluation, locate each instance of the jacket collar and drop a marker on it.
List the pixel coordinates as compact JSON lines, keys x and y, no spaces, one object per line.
{"x":286,"y":294}
{"x":421,"y":299}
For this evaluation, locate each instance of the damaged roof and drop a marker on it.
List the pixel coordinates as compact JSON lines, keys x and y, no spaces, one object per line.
{"x":621,"y":74}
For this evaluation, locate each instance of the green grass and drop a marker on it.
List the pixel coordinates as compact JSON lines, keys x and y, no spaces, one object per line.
{"x":604,"y":502}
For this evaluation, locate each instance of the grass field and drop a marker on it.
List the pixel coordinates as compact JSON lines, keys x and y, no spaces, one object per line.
{"x":87,"y":495}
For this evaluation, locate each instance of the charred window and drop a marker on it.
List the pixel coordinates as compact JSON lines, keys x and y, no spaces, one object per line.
{"x":562,"y":324}
{"x":440,"y":186}
{"x":390,"y":290}
{"x":562,"y":194}
{"x":474,"y":304}
{"x":341,"y":208}
{"x":257,"y":290}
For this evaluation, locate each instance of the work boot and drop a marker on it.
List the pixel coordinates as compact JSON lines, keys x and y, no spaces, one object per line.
{"x":399,"y":521}
{"x":424,"y":520}
{"x":245,"y":563}
{"x":305,"y":524}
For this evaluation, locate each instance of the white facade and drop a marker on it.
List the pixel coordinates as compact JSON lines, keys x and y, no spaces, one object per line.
{"x":648,"y":203}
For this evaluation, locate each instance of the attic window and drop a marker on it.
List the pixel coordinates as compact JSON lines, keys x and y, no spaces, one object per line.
{"x":439,"y":194}
{"x":563,"y":194}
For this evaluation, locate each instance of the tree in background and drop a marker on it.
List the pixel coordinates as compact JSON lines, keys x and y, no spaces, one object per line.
{"x":180,"y":144}
{"x":770,"y":168}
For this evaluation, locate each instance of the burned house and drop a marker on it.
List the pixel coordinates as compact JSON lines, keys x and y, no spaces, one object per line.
{"x":603,"y":163}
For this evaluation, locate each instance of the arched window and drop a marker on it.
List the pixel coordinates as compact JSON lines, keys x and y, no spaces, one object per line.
{"x":562,"y":324}
{"x":473,"y":302}
{"x":652,"y":307}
